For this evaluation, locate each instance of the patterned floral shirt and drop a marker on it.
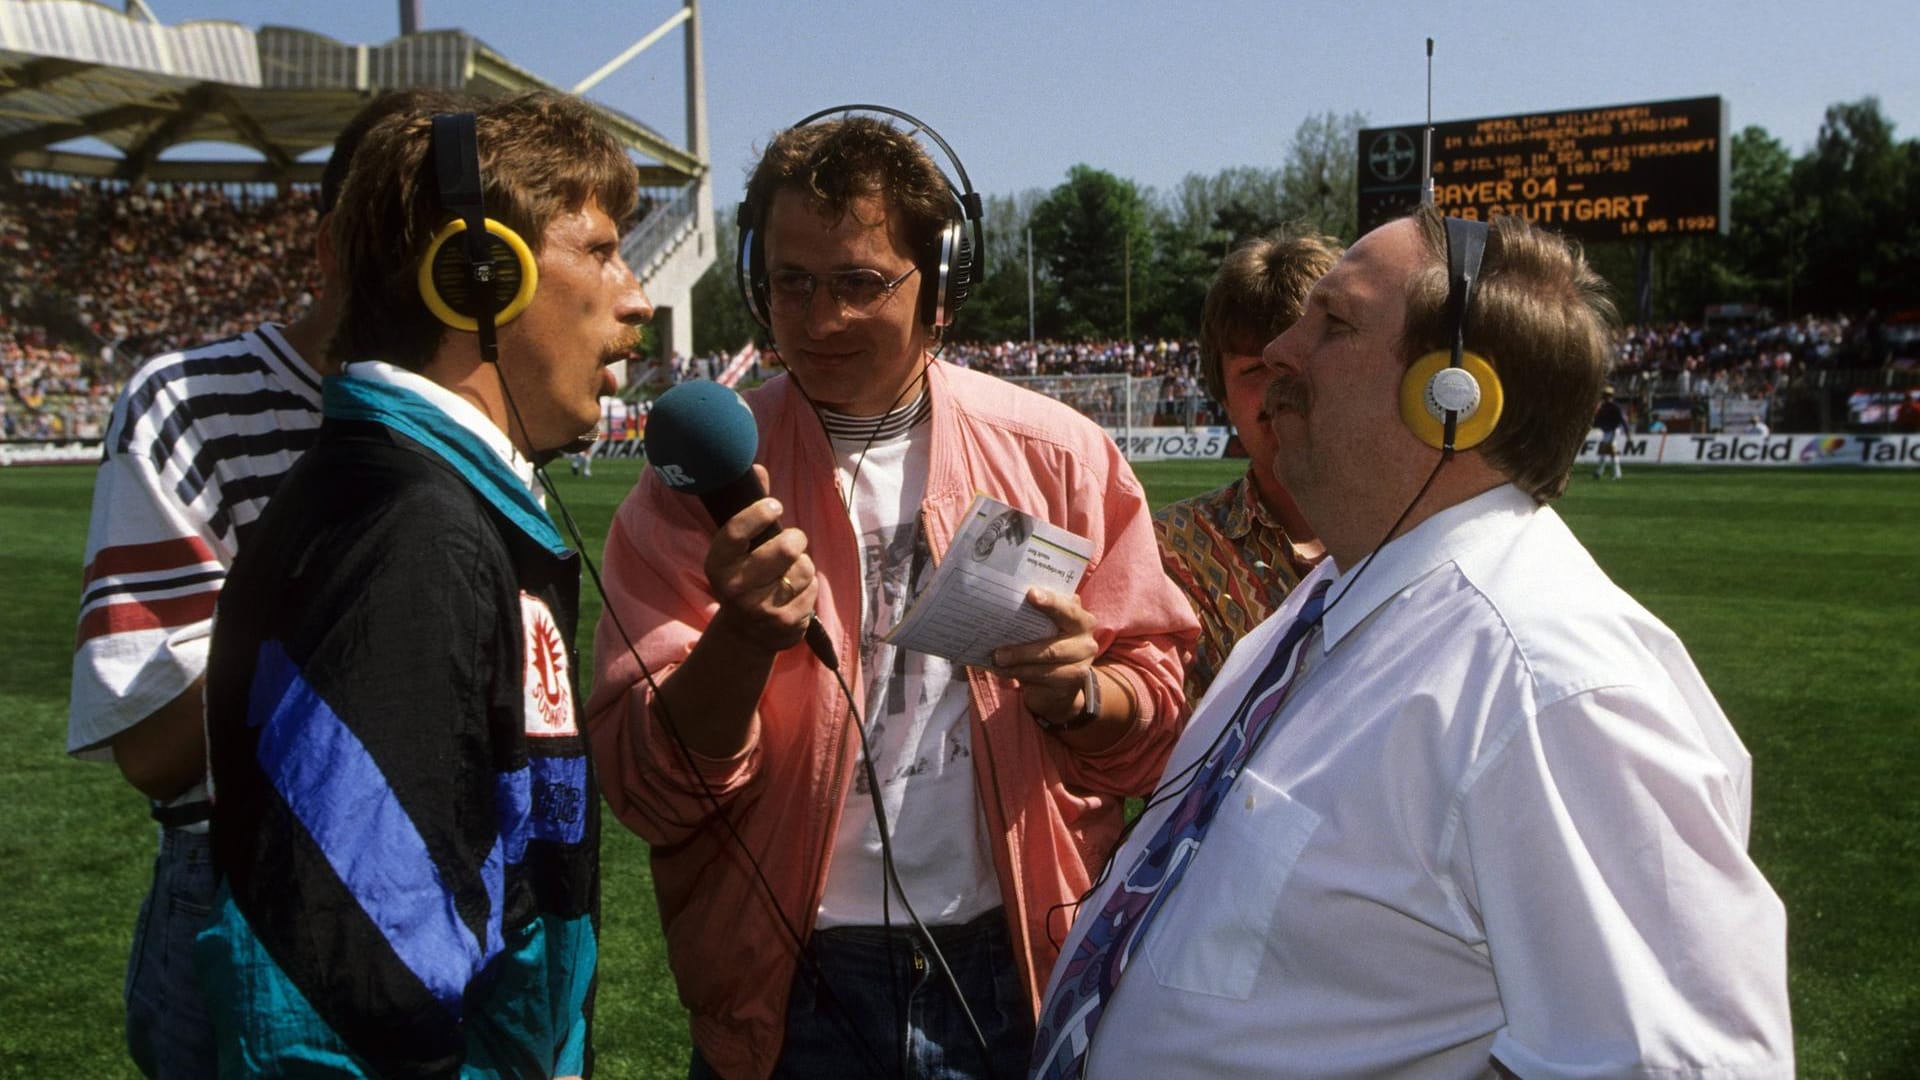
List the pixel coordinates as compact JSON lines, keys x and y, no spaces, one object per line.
{"x":1234,"y":562}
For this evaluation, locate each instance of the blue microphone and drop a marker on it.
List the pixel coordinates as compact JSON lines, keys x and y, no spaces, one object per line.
{"x":701,"y":439}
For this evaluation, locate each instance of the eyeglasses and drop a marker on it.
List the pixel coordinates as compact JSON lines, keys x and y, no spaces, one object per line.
{"x":860,"y":293}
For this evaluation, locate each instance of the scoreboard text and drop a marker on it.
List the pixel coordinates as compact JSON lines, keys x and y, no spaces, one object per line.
{"x":1615,"y":173}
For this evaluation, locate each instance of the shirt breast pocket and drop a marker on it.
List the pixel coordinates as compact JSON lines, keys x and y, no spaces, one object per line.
{"x":1212,"y":937}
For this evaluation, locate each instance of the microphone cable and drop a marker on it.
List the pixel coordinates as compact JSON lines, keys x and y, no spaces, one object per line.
{"x":890,"y":871}
{"x":802,"y":953}
{"x":893,"y":874}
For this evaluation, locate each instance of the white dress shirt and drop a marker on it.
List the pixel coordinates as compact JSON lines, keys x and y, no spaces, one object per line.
{"x":1501,"y":816}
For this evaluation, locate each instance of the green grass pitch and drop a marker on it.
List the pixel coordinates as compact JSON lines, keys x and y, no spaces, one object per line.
{"x":1797,"y":592}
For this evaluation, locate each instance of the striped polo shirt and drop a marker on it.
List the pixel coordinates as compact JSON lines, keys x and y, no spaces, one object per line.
{"x":198,"y":443}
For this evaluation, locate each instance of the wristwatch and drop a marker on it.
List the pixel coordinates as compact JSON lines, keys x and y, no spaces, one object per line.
{"x":1089,"y":708}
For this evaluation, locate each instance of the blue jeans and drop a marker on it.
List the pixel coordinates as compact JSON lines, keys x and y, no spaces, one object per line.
{"x":854,"y":1026}
{"x":168,"y":1033}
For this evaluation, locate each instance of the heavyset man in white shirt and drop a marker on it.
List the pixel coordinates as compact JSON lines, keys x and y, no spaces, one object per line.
{"x":1499,"y":823}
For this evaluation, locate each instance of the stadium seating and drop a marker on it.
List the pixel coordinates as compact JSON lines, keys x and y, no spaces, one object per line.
{"x":96,"y":276}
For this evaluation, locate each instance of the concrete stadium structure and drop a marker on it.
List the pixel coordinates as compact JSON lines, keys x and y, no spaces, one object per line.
{"x":74,"y":69}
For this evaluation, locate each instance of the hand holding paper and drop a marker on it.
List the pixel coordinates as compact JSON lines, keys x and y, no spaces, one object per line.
{"x":1052,"y":671}
{"x":977,"y":599}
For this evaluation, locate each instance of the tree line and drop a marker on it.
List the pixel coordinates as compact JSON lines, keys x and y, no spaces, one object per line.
{"x":1833,"y":231}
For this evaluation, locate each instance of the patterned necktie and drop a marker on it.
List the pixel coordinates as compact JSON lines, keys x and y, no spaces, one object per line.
{"x":1074,"y":1010}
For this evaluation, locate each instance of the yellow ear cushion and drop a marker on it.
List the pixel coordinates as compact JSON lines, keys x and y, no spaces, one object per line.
{"x":1418,"y":413}
{"x":445,"y":312}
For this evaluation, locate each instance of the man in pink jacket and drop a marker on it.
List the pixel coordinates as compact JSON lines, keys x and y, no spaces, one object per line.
{"x":789,"y":890}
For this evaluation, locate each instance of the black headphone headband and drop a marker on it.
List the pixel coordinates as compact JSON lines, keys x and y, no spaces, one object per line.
{"x":456,"y":167}
{"x":485,"y":276}
{"x":1466,"y":247}
{"x":964,"y":194}
{"x":955,"y":262}
{"x":1451,"y":398}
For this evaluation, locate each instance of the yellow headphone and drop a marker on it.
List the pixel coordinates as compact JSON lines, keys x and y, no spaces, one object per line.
{"x":444,"y":276}
{"x":1451,"y":398}
{"x":489,"y":276}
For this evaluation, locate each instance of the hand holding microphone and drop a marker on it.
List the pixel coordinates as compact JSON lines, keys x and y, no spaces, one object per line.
{"x":761,"y":575}
{"x":701,"y":438}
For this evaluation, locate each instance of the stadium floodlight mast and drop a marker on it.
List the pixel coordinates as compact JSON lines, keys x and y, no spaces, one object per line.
{"x":635,"y":49}
{"x":413,"y":15}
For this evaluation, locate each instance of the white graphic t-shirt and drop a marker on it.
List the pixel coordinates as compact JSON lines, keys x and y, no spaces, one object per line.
{"x":914,"y":708}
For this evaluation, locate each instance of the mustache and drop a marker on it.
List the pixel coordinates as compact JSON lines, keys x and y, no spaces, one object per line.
{"x":624,"y":347}
{"x":1284,"y":391}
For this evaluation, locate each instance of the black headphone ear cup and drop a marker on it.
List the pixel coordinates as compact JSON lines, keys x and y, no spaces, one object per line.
{"x":948,"y":285}
{"x":960,"y":276}
{"x":749,"y":267}
{"x":753,"y":280}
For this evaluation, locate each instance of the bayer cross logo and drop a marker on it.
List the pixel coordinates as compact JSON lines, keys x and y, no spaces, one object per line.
{"x":1391,"y":156}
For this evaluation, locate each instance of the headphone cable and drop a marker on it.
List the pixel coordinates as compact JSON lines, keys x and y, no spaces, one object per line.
{"x":802,"y":949}
{"x":1166,"y":790}
{"x":890,"y":871}
{"x":802,"y":952}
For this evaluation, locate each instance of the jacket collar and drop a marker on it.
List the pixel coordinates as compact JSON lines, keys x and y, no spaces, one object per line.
{"x":478,"y":451}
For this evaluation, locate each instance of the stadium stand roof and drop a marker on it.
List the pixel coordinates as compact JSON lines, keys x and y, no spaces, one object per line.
{"x":74,"y":68}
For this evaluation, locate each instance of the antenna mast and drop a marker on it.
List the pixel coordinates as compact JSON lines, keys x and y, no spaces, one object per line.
{"x":1426,"y":148}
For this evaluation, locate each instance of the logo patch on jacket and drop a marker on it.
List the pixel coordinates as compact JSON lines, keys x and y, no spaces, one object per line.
{"x":547,"y":683}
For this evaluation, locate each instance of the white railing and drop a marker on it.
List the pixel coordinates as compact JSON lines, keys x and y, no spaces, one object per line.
{"x":661,"y":232}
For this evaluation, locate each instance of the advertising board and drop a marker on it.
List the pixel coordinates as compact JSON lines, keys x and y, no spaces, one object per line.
{"x":1763,"y":451}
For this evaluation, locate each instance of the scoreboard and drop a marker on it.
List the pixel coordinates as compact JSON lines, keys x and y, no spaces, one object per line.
{"x":1615,"y":173}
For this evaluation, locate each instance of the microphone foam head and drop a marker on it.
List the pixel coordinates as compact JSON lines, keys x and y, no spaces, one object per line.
{"x":701,"y":437}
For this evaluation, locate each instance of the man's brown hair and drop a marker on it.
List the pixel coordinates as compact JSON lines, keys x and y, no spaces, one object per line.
{"x":834,"y":162}
{"x":1541,"y":317}
{"x":541,"y":154}
{"x":414,"y":101}
{"x":1259,"y":291}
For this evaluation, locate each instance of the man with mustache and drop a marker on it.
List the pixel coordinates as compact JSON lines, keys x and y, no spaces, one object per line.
{"x":199,"y":441}
{"x":1237,"y":551}
{"x":405,"y":822}
{"x":1461,"y":807}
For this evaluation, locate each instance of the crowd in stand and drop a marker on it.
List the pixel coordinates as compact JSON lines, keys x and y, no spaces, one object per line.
{"x":1731,"y":360}
{"x":1816,"y":374}
{"x":95,"y":277}
{"x":1178,"y":394}
{"x":36,"y":377}
{"x":1142,"y":359}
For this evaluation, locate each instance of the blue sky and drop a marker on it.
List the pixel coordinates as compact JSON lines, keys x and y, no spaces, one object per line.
{"x":1152,"y":91}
